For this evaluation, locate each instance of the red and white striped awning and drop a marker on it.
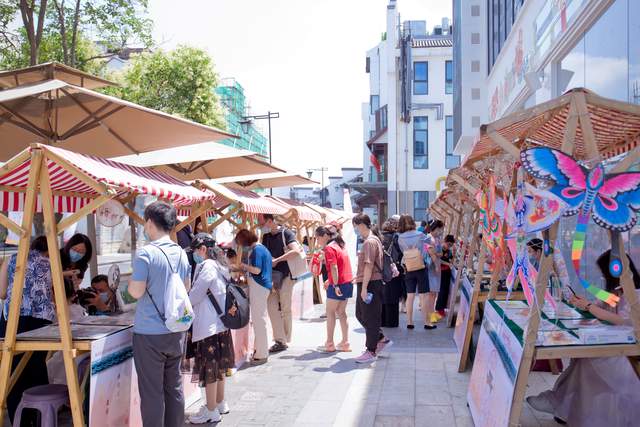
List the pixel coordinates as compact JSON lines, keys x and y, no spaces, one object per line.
{"x":249,"y":201}
{"x":72,"y":193}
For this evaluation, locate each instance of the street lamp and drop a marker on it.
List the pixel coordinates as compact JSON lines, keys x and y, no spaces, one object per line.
{"x":322,"y":170}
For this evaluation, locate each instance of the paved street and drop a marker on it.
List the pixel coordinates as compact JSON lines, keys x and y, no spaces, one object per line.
{"x":417,"y":383}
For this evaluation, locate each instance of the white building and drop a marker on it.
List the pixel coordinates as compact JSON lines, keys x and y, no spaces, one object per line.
{"x":536,"y":50}
{"x":408,"y":121}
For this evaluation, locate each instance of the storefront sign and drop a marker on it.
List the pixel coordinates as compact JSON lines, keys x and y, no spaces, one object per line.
{"x":493,"y":378}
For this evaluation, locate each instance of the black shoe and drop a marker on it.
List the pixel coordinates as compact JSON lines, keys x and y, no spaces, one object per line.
{"x":559,"y":420}
{"x":410,"y":326}
{"x":430,"y":327}
{"x":278,"y":347}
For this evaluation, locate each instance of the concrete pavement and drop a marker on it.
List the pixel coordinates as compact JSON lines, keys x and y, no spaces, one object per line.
{"x":415,"y":384}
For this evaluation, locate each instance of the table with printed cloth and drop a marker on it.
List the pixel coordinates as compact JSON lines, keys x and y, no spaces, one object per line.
{"x":564,"y":332}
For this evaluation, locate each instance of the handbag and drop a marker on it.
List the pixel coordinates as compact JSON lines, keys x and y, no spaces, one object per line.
{"x":298,"y":266}
{"x":413,"y":260}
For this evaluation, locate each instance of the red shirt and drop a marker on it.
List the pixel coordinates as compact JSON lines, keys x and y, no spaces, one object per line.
{"x":335,"y":255}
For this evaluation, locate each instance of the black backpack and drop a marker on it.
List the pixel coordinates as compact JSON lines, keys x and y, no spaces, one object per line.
{"x":235,"y":298}
{"x":389,"y":266}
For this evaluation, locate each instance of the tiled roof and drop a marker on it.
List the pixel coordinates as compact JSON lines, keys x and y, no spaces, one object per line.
{"x":432,"y":42}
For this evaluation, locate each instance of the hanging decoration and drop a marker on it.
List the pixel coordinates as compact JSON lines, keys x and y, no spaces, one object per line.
{"x":612,"y":200}
{"x":489,"y":220}
{"x":541,"y":209}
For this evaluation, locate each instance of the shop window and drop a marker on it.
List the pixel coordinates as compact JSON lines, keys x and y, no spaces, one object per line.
{"x":420,"y":205}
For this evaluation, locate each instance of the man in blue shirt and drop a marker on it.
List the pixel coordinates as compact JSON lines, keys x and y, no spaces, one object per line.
{"x":157,"y":352}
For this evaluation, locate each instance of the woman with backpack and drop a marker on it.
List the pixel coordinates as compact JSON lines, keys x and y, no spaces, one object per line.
{"x":394,"y":290}
{"x":213,"y":343}
{"x":414,"y":252}
{"x":338,"y":286}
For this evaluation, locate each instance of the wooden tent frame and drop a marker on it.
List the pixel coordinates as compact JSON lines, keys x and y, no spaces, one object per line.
{"x":39,"y":184}
{"x":578,"y":118}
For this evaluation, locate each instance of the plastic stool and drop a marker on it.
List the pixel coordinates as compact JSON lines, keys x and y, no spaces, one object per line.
{"x":45,"y":398}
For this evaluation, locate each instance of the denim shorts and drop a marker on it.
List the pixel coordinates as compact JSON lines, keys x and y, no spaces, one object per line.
{"x":416,"y":280}
{"x":346,"y":288}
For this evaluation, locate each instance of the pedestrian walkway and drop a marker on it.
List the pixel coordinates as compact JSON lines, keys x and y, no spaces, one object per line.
{"x":415,"y":383}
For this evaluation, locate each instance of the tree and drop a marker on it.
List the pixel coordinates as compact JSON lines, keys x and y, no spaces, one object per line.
{"x":68,"y":28}
{"x":179,"y":82}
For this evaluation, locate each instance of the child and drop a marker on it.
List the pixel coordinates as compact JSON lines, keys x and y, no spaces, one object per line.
{"x":445,"y":278}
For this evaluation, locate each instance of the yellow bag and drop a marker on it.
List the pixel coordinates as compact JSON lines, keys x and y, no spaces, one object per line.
{"x":413,"y":260}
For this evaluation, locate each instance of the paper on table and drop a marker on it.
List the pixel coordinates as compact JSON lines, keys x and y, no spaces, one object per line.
{"x":563,"y":311}
{"x":556,"y":338}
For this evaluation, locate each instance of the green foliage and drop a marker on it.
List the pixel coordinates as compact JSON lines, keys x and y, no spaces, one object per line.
{"x":179,"y":82}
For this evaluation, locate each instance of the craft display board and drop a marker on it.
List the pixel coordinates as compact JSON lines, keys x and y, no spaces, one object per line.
{"x":494,"y":373}
{"x":460,"y":331}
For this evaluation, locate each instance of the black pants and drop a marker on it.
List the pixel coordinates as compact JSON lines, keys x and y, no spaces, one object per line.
{"x":34,"y":374}
{"x":157,"y":359}
{"x":370,"y":315}
{"x":392,"y":292}
{"x":443,"y":295}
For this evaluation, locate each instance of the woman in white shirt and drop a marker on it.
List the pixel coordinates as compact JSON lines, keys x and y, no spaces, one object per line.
{"x":212,"y":340}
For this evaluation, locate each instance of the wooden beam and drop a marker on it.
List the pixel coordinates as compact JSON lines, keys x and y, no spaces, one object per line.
{"x":62,"y":308}
{"x":464,"y":183}
{"x":624,"y":164}
{"x":84,"y":211}
{"x":15,"y":162}
{"x":569,"y":136}
{"x":227,"y":216}
{"x":26,"y":356}
{"x":588,"y":136}
{"x":7,"y":223}
{"x":503,"y":143}
{"x":133,"y":215}
{"x":196,"y":211}
{"x":8,"y":347}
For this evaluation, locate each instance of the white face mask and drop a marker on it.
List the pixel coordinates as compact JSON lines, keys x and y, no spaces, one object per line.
{"x":104,"y":297}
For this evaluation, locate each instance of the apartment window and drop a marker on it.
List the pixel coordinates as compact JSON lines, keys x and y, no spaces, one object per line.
{"x":452,"y":161}
{"x":420,"y":78}
{"x":374,"y":103}
{"x":448,"y":72}
{"x":420,"y":142}
{"x":420,"y":205}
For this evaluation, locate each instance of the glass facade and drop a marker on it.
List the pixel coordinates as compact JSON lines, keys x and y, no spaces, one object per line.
{"x":448,"y":77}
{"x":451,"y":161}
{"x":420,"y":142}
{"x":501,"y":14}
{"x":420,"y":78}
{"x":606,"y":59}
{"x":420,"y":205}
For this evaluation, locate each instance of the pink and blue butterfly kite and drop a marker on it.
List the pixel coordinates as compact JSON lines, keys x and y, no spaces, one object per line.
{"x":612,"y":200}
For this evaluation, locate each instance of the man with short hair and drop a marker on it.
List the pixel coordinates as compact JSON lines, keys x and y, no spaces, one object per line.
{"x":283,"y":246}
{"x":157,"y":352}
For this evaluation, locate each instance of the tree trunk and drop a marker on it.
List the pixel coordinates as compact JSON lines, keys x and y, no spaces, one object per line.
{"x":63,"y":30}
{"x":34,"y":35}
{"x":74,"y":34}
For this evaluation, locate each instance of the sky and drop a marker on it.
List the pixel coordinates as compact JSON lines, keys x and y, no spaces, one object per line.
{"x":302,"y":58}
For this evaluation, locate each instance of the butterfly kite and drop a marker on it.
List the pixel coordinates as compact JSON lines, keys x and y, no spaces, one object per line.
{"x":612,"y":200}
{"x":489,"y":220}
{"x":518,"y":210}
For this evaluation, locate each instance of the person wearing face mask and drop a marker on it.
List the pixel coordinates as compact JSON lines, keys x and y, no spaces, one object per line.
{"x":213,"y":341}
{"x":104,"y":299}
{"x":75,"y":257}
{"x":281,"y":243}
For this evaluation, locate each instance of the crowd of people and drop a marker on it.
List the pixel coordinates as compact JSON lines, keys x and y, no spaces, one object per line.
{"x":393,"y":265}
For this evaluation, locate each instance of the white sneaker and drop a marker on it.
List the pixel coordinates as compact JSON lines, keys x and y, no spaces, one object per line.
{"x":206,"y":416}
{"x":223,"y":407}
{"x":540,"y":403}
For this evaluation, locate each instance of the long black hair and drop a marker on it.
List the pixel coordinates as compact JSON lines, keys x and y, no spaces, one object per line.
{"x":613,"y":282}
{"x":333,"y":236}
{"x":83,"y":263}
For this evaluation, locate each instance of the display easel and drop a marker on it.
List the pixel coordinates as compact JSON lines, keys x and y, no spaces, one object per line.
{"x":589,"y":127}
{"x":38,"y":159}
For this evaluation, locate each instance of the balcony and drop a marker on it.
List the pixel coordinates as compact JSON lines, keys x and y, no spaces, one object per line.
{"x":381,"y":124}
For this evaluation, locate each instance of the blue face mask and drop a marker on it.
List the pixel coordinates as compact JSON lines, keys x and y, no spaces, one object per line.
{"x":75,"y":256}
{"x":197,"y":258}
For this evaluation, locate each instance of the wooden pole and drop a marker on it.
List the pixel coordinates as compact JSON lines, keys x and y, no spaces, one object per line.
{"x":62,"y":309}
{"x":8,"y":347}
{"x":531,"y":332}
{"x":466,"y":239}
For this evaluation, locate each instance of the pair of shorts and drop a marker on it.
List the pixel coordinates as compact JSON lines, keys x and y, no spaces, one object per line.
{"x":416,"y":281}
{"x":345,"y":288}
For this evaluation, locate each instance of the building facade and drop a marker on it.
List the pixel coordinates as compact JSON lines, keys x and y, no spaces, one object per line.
{"x":236,"y":107}
{"x":408,"y":122}
{"x":537,"y":50}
